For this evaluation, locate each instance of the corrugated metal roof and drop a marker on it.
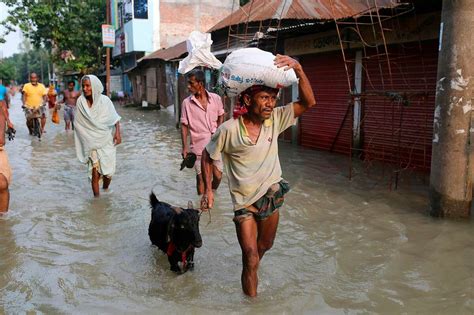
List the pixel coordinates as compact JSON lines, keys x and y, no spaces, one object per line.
{"x":170,"y":53}
{"x":261,"y":10}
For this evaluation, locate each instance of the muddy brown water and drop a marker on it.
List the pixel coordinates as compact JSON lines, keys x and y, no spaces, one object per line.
{"x":342,"y":246}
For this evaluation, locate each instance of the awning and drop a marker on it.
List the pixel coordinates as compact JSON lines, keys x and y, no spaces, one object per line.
{"x":167,"y":54}
{"x":262,"y":10}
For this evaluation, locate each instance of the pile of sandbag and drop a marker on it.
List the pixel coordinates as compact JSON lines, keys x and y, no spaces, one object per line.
{"x":241,"y":69}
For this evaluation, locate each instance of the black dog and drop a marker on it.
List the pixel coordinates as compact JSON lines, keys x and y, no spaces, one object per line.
{"x":176,"y":232}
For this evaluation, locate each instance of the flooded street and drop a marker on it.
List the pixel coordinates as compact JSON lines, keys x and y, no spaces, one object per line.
{"x":342,"y":246}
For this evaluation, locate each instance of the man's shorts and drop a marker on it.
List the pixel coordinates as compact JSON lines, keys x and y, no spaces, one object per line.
{"x":266,"y":205}
{"x":30,"y":113}
{"x":44,"y":110}
{"x":68,"y":113}
{"x":5,"y":169}
{"x":216,"y":163}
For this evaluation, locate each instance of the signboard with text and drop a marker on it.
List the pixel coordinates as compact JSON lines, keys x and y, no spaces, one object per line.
{"x":108,"y":35}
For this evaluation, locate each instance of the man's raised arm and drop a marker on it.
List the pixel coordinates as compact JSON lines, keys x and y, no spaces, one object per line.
{"x":306,"y":95}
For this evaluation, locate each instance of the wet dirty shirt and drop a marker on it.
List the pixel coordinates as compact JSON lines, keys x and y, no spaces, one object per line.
{"x":251,"y":168}
{"x":94,"y":127}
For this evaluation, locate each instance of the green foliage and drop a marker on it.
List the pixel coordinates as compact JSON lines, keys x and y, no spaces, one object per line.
{"x":7,"y":70}
{"x":26,"y":62}
{"x":59,"y":25}
{"x":244,"y":2}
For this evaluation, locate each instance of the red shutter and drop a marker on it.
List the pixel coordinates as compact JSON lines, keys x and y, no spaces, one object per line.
{"x":328,"y":125}
{"x":392,"y":132}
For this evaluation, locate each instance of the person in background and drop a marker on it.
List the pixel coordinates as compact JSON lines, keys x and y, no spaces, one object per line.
{"x":201,"y":113}
{"x":95,"y":122}
{"x":34,"y":97}
{"x":4,"y":95}
{"x":70,"y":99}
{"x":5,"y":170}
{"x":52,"y":96}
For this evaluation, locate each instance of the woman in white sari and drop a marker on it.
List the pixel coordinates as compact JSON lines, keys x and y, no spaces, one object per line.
{"x":96,"y":120}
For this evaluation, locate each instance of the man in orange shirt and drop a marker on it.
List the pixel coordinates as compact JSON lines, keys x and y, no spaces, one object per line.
{"x":34,"y":98}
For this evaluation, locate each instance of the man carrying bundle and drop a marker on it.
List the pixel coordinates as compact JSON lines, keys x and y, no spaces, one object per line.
{"x":249,"y":147}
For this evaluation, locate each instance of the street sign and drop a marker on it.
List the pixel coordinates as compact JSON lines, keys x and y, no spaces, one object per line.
{"x":108,"y":35}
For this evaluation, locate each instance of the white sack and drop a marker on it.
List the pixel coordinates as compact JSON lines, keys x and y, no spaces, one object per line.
{"x":252,"y":66}
{"x":199,"y":53}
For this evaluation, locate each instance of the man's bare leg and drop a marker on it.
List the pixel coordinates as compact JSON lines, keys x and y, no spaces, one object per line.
{"x":107,"y":180}
{"x":247,"y":236}
{"x":95,"y":182}
{"x":199,"y":184}
{"x":29,"y":124}
{"x":216,"y":177}
{"x":266,"y":233}
{"x":4,"y":194}
{"x":43,"y":122}
{"x":68,"y":125}
{"x":255,"y":238}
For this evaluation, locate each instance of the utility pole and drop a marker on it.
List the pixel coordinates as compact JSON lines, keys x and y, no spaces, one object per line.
{"x":107,"y":55}
{"x":450,"y":181}
{"x":41,"y":65}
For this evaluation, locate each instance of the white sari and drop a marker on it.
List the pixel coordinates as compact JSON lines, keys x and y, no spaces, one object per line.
{"x":93,"y":129}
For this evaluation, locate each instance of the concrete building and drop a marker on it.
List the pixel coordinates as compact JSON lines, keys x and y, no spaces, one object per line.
{"x":145,"y":26}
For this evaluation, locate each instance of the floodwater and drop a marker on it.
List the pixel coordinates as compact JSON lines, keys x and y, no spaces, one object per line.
{"x":342,"y":246}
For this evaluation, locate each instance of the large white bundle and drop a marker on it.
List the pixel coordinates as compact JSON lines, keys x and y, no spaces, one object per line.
{"x":252,"y":66}
{"x":199,"y":53}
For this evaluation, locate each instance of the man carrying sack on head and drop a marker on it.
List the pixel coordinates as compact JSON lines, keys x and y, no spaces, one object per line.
{"x":249,"y":147}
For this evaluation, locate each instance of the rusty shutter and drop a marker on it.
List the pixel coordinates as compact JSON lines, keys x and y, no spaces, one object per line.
{"x":393,"y":132}
{"x":328,"y":125}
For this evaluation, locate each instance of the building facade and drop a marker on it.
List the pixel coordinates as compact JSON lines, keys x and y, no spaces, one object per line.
{"x":145,"y":26}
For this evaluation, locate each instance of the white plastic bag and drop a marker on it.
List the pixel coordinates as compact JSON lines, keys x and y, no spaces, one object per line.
{"x":252,"y":66}
{"x":199,"y":53}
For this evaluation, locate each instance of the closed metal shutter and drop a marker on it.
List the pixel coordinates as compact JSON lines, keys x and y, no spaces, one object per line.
{"x":328,"y":125}
{"x":394,"y":131}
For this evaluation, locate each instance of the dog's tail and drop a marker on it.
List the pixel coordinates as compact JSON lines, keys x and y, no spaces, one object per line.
{"x":153,"y":200}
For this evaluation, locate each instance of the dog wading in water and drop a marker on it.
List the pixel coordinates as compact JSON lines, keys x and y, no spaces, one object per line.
{"x":249,"y":147}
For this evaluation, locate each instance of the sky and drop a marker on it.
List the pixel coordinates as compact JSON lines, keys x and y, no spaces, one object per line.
{"x":13,"y":39}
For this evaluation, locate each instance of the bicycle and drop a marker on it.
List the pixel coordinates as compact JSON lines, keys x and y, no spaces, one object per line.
{"x":34,"y":115}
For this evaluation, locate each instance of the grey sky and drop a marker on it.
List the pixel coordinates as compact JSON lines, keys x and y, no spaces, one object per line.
{"x":12,"y":40}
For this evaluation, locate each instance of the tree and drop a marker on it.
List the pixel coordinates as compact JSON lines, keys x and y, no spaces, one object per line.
{"x":62,"y":25}
{"x":7,"y":70}
{"x":19,"y":66}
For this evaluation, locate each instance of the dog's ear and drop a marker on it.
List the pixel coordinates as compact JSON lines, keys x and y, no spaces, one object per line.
{"x":177,"y":210}
{"x":153,"y":200}
{"x":190,"y":205}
